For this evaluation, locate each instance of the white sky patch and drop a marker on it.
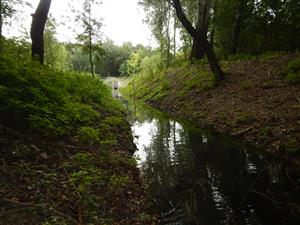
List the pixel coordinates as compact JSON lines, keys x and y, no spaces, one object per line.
{"x":122,"y":21}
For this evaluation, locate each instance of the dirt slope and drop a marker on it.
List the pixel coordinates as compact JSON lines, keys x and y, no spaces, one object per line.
{"x":255,"y":103}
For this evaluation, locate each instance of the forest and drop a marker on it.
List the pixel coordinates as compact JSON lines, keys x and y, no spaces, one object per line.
{"x":76,"y":148}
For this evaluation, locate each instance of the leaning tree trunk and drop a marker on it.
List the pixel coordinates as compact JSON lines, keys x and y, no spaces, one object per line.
{"x":212,"y":59}
{"x":39,"y":19}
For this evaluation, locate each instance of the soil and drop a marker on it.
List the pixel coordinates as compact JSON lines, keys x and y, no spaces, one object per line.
{"x":40,"y":180}
{"x":254,"y":104}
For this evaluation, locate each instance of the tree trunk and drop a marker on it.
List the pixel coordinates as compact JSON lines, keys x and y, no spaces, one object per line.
{"x":39,"y":19}
{"x":91,"y":54}
{"x":237,"y":27}
{"x":1,"y":18}
{"x":168,"y":39}
{"x":198,"y":49}
{"x":212,"y":59}
{"x":1,"y":24}
{"x":213,"y":62}
{"x":212,"y":33}
{"x":174,"y":37}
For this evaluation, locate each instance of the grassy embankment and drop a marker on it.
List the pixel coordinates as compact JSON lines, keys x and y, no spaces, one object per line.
{"x":66,"y":150}
{"x":259,"y":102}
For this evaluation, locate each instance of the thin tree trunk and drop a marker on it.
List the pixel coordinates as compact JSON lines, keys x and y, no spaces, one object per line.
{"x":1,"y":18}
{"x":212,"y":59}
{"x":90,"y":42}
{"x":212,"y":33}
{"x":168,"y":37}
{"x":213,"y":62}
{"x":174,"y":37}
{"x":237,"y":27}
{"x":1,"y":24}
{"x":91,"y":54}
{"x":39,"y":19}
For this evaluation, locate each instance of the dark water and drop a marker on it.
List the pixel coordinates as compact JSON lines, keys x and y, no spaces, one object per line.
{"x":198,"y":177}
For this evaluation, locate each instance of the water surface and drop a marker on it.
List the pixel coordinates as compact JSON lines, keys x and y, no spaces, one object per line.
{"x":198,"y":177}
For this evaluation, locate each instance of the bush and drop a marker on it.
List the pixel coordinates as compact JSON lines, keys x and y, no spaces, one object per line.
{"x":34,"y":97}
{"x":293,"y":71}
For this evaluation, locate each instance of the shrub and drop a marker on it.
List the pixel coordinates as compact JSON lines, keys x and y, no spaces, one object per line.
{"x":35,"y":97}
{"x":293,"y":71}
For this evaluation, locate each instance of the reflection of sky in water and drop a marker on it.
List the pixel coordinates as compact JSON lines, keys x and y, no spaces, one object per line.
{"x":177,"y":139}
{"x":172,"y":157}
{"x":145,"y":132}
{"x":143,"y":135}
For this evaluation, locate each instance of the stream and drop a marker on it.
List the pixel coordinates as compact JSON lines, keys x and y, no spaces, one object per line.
{"x":199,"y":177}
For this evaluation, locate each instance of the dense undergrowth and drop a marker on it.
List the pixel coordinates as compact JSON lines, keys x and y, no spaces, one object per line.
{"x":258,"y":101}
{"x":65,"y":149}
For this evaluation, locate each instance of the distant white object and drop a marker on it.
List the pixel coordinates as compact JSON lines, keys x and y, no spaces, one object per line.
{"x":116,"y":85}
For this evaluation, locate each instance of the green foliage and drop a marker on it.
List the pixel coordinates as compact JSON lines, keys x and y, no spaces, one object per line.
{"x":293,"y":71}
{"x":244,"y":118}
{"x":265,"y":26}
{"x":88,"y":135}
{"x":293,"y":146}
{"x":56,"y":54}
{"x":48,"y":101}
{"x":240,"y":57}
{"x":264,"y":133}
{"x":247,"y":84}
{"x":151,"y":65}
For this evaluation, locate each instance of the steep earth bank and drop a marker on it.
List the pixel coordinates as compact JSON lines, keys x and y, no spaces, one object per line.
{"x":259,"y":102}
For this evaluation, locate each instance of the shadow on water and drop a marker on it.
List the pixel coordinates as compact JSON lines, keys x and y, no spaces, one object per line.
{"x":200,"y":178}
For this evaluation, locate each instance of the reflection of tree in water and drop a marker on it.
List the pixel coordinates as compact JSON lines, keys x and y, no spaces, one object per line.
{"x":201,"y":177}
{"x":169,"y":165}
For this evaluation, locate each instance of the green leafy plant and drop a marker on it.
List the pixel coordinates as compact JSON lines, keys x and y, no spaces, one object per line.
{"x":293,"y":71}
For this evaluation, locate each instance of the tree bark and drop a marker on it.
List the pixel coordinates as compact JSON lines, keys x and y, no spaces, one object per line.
{"x":198,"y":49}
{"x":91,"y":54}
{"x":174,"y":37}
{"x":212,"y":33}
{"x":212,"y":59}
{"x":237,"y":27}
{"x":39,"y":19}
{"x":1,"y":25}
{"x":168,"y":39}
{"x":1,"y":18}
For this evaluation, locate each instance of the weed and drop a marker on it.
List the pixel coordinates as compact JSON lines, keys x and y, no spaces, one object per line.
{"x":88,"y":135}
{"x":247,"y":84}
{"x":293,"y":146}
{"x":240,"y":57}
{"x":268,"y":84}
{"x":271,"y":55}
{"x":293,"y":71}
{"x":244,"y":118}
{"x":264,"y":133}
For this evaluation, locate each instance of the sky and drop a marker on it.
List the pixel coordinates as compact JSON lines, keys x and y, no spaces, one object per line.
{"x":122,"y":21}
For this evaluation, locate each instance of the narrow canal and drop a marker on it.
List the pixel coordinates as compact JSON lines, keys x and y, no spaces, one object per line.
{"x":198,"y":177}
